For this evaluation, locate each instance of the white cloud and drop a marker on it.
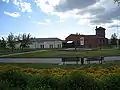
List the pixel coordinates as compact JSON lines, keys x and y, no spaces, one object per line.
{"x":60,"y":21}
{"x":22,"y":6}
{"x":16,"y":2}
{"x":83,"y":21}
{"x":29,"y":17}
{"x":47,"y":20}
{"x":98,"y":12}
{"x":25,"y":7}
{"x":114,"y":24}
{"x":7,"y":1}
{"x":14,"y":14}
{"x":44,"y":6}
{"x":48,"y":7}
{"x":42,"y":23}
{"x":93,"y":12}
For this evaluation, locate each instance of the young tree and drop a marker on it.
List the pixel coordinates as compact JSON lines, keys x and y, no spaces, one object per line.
{"x":11,"y":41}
{"x":3,"y":44}
{"x":117,"y":1}
{"x":114,"y":39}
{"x":24,"y":40}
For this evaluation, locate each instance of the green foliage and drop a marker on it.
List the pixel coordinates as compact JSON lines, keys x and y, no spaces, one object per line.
{"x":11,"y":78}
{"x":114,"y":39}
{"x":79,"y":81}
{"x":24,"y":40}
{"x":3,"y":44}
{"x":44,"y":82}
{"x":111,"y":82}
{"x":117,"y":1}
{"x":16,"y":79}
{"x":11,"y":41}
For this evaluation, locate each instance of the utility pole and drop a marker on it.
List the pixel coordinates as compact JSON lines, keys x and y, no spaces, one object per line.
{"x":117,"y":33}
{"x":79,"y":41}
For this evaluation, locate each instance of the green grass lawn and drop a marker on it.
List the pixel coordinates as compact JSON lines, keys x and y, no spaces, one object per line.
{"x":66,"y":66}
{"x":60,"y":53}
{"x":8,"y":51}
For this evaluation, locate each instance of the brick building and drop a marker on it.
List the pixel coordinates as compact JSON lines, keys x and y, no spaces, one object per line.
{"x":88,"y":41}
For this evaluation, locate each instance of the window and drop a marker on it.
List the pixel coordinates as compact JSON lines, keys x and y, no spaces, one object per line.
{"x":50,"y":46}
{"x":59,"y":45}
{"x":41,"y":46}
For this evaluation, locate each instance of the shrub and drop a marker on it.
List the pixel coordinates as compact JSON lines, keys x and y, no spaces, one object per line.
{"x":57,"y":79}
{"x":111,"y":82}
{"x":44,"y":82}
{"x":12,"y":78}
{"x":79,"y":81}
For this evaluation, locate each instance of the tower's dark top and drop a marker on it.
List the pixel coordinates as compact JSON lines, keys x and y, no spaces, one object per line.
{"x":100,"y":32}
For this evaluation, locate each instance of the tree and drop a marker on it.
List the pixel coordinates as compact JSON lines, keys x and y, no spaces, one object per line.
{"x":119,"y":42}
{"x":117,"y":1}
{"x":24,"y":40}
{"x":11,"y":41}
{"x":114,"y":39}
{"x":3,"y":43}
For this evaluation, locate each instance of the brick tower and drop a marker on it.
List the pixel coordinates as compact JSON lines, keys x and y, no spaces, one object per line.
{"x":100,"y":32}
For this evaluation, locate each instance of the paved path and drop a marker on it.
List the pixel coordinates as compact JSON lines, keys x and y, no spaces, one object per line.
{"x":22,"y":53}
{"x":112,"y":58}
{"x":46,"y":60}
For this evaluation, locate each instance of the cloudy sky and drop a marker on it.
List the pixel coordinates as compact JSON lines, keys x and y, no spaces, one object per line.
{"x":58,"y":18}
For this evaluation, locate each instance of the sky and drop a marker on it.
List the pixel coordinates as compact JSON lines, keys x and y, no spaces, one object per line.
{"x":58,"y":18}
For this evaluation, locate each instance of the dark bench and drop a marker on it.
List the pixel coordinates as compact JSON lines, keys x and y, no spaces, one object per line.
{"x":70,"y":59}
{"x":100,"y":59}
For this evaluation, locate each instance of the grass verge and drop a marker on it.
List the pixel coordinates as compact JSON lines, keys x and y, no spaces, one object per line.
{"x":57,"y":53}
{"x":66,"y":66}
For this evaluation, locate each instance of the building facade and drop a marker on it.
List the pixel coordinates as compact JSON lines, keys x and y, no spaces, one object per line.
{"x":46,"y":43}
{"x":89,"y":41}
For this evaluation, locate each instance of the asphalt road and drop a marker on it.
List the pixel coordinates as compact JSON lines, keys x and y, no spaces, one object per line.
{"x":46,"y":60}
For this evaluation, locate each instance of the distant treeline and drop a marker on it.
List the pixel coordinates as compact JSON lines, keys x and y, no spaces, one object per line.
{"x":12,"y":40}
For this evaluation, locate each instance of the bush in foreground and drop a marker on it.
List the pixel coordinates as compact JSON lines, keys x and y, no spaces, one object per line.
{"x":44,"y":82}
{"x":111,"y":82}
{"x":12,"y":78}
{"x":79,"y":81}
{"x":18,"y":79}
